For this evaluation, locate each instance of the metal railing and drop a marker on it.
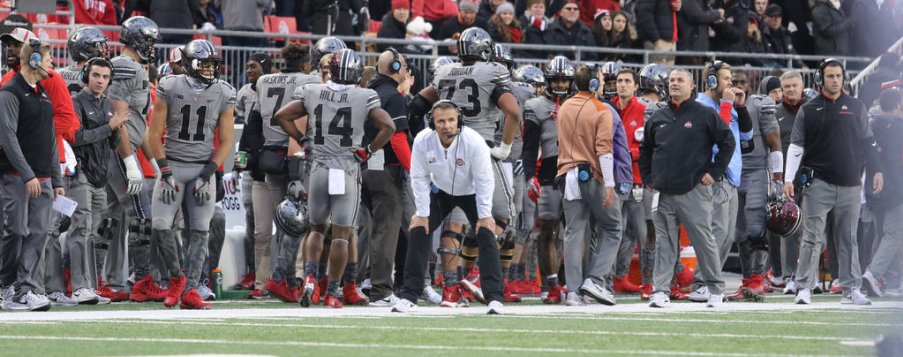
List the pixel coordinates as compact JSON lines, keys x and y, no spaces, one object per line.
{"x":234,"y":57}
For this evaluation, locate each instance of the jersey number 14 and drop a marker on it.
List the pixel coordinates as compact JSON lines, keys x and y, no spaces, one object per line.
{"x":339,"y":126}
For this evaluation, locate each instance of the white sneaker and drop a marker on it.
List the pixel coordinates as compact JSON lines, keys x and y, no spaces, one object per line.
{"x":574,"y":299}
{"x":818,"y":288}
{"x":59,"y":299}
{"x":599,"y":293}
{"x":387,"y":301}
{"x":365,"y":285}
{"x":803,"y":297}
{"x":7,"y":293}
{"x":205,"y":292}
{"x":715,"y":300}
{"x":701,"y":294}
{"x":85,"y":296}
{"x":871,"y":284}
{"x":431,"y":296}
{"x":404,"y":306}
{"x":495,"y":308}
{"x":27,"y":302}
{"x":855,"y":297}
{"x":790,"y":288}
{"x":659,"y":299}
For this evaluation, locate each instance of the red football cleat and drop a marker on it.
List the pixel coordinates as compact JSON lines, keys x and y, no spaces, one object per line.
{"x":333,"y":302}
{"x":509,"y":296}
{"x":684,"y":278}
{"x":451,"y":297}
{"x":258,"y":294}
{"x":351,"y":296}
{"x":321,"y":287}
{"x":246,"y":283}
{"x":192,"y":301}
{"x":282,"y":291}
{"x":310,"y":293}
{"x":176,"y":287}
{"x":676,"y":294}
{"x":112,"y":294}
{"x":147,"y":290}
{"x":624,"y":286}
{"x":471,"y":291}
{"x":645,"y":292}
{"x":554,"y":296}
{"x":756,"y":285}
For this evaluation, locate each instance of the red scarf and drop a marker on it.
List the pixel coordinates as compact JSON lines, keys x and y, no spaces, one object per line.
{"x":515,"y":33}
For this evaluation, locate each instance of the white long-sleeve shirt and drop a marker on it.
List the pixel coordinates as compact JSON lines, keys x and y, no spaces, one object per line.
{"x":464,"y":168}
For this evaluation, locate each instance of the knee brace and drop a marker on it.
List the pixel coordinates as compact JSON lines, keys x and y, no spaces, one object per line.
{"x":508,"y":243}
{"x":501,"y":237}
{"x":454,"y":235}
{"x":470,"y":241}
{"x":448,"y":251}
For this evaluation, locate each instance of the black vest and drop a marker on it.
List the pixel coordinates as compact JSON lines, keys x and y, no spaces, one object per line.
{"x":34,"y":127}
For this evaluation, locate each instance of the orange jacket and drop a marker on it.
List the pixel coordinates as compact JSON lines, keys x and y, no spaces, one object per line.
{"x":583,"y":139}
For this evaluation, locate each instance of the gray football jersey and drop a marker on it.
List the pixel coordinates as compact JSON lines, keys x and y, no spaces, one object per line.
{"x":274,"y":91}
{"x":471,"y":88}
{"x":192,"y":116}
{"x":336,"y":120}
{"x":131,"y":85}
{"x":522,"y":92}
{"x":245,"y":103}
{"x":72,"y":75}
{"x":540,"y":111}
{"x":761,"y":110}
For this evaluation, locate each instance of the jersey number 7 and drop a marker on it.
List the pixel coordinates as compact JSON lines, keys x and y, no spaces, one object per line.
{"x":473,"y":98}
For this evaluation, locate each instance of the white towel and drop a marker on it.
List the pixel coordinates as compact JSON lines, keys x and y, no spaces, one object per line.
{"x":572,"y":185}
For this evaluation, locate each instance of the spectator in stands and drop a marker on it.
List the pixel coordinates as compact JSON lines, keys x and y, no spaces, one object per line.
{"x":831,"y":27}
{"x":435,"y":12}
{"x":886,"y":75}
{"x":730,"y":33}
{"x":567,"y":30}
{"x":504,"y":27}
{"x":243,"y":15}
{"x":776,"y":37}
{"x":602,"y":28}
{"x":759,"y":7}
{"x":796,"y":15}
{"x":174,"y":14}
{"x":418,"y":36}
{"x":589,"y":9}
{"x":693,"y":23}
{"x":97,"y":12}
{"x":622,"y":35}
{"x":208,"y":16}
{"x":753,"y":43}
{"x":394,"y":23}
{"x":331,"y":17}
{"x":467,"y":17}
{"x":868,"y":28}
{"x":535,"y":24}
{"x":488,"y":9}
{"x":657,"y":27}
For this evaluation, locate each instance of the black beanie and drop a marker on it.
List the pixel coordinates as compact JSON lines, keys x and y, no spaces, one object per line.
{"x":264,"y":59}
{"x":769,"y":84}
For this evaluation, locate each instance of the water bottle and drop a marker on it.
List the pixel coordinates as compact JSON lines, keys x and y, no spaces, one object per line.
{"x":218,"y":282}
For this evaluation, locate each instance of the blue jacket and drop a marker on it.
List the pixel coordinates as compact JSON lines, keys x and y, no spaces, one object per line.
{"x":735,"y":167}
{"x":623,"y":165}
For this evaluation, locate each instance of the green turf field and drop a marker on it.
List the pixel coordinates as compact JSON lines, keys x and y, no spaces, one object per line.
{"x":270,"y":328}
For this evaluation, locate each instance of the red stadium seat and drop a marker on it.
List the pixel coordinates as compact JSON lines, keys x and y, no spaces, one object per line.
{"x":375,"y":26}
{"x":281,"y":25}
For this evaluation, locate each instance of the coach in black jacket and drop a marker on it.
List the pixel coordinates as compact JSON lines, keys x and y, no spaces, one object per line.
{"x":383,"y":182}
{"x":676,"y":160}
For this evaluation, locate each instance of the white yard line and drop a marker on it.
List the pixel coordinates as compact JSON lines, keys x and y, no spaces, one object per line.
{"x":499,"y":330}
{"x":560,"y":311}
{"x":685,"y":320}
{"x":358,"y":346}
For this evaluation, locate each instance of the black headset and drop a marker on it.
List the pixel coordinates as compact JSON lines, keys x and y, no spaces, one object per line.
{"x":86,"y":69}
{"x":820,"y":72}
{"x":429,"y":116}
{"x":711,"y":81}
{"x":36,"y":57}
{"x":395,"y":65}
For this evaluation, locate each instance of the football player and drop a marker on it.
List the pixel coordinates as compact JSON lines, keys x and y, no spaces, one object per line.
{"x":192,"y":110}
{"x":541,"y":138}
{"x":338,"y":110}
{"x":85,"y":43}
{"x":274,"y":91}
